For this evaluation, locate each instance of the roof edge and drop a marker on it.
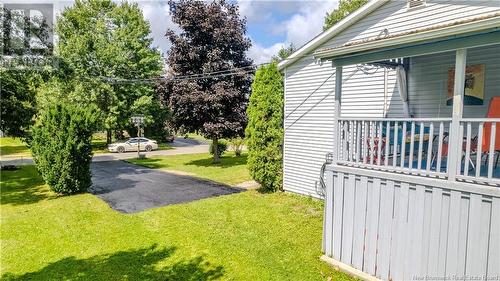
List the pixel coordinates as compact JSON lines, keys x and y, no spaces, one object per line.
{"x":331,"y":32}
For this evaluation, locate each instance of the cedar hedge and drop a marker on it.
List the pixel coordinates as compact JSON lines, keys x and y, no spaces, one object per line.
{"x":264,"y":132}
{"x":61,"y":147}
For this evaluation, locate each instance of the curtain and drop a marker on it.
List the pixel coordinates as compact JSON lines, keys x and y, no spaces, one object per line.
{"x":403,"y":89}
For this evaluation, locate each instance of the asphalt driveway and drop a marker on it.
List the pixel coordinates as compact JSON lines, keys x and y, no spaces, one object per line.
{"x":130,"y":188}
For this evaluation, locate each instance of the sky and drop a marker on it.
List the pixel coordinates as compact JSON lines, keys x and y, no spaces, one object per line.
{"x":270,"y":24}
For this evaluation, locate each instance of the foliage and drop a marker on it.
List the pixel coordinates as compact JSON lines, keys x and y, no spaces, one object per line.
{"x":18,"y":104}
{"x":46,"y":237}
{"x":264,"y":133}
{"x":62,"y":149}
{"x":345,"y":8}
{"x":105,"y":45}
{"x":284,"y":52}
{"x":212,"y":39}
{"x":221,"y":147}
{"x":237,"y":145}
{"x":156,"y":116}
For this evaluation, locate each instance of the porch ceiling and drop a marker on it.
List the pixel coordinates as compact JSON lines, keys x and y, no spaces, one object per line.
{"x":464,"y":34}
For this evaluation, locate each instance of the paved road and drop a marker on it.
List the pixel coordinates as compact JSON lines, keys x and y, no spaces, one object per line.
{"x":130,"y":188}
{"x":181,"y":146}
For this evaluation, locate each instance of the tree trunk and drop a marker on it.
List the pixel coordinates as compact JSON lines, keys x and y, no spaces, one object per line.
{"x":108,"y":136}
{"x":215,"y":145}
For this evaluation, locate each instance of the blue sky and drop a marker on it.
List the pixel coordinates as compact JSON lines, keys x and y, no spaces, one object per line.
{"x":270,"y":24}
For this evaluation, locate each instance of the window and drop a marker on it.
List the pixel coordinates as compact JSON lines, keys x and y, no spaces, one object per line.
{"x":415,"y":3}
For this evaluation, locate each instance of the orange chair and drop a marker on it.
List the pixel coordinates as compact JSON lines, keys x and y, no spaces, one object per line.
{"x":493,"y":112}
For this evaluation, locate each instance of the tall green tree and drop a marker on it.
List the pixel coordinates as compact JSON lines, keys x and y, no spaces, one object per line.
{"x":212,"y":39}
{"x":264,"y":132}
{"x":107,"y":46}
{"x":17,"y":103}
{"x":345,"y":8}
{"x":19,"y":76}
{"x":284,"y":52}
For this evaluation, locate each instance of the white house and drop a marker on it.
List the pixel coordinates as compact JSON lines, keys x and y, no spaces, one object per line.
{"x":405,"y":96}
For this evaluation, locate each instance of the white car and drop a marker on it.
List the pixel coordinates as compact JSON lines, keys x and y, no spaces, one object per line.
{"x":131,"y":145}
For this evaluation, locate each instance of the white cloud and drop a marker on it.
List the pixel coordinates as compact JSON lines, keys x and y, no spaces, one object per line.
{"x":307,"y":22}
{"x":157,"y":13}
{"x":304,"y":20}
{"x":261,"y":54}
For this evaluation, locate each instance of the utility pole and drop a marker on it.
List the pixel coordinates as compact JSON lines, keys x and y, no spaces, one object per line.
{"x":138,"y":121}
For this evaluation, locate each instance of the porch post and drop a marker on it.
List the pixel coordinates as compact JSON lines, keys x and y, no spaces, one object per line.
{"x":338,"y":103}
{"x":455,"y":148}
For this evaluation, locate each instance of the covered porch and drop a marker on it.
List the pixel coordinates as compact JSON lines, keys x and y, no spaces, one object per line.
{"x":418,"y":195}
{"x":448,"y":142}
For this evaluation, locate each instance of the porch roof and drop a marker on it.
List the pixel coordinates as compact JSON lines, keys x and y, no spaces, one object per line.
{"x":472,"y":32}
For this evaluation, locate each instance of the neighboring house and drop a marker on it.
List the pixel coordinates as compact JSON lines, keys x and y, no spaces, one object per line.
{"x":414,"y":187}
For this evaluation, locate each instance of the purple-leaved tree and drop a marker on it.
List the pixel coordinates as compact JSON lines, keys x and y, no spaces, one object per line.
{"x":212,"y":39}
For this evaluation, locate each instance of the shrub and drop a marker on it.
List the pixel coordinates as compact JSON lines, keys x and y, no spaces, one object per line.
{"x":264,"y":132}
{"x":62,"y":149}
{"x":237,"y":145}
{"x":221,"y":145}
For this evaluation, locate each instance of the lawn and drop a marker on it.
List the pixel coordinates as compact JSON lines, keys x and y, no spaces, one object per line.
{"x":231,"y":169}
{"x":13,"y":148}
{"x":245,"y":236}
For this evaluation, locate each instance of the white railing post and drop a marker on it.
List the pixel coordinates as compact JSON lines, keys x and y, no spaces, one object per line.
{"x":455,"y":143}
{"x":338,"y":103}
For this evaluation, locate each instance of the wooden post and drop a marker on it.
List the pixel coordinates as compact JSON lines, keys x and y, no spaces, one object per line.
{"x":338,"y":103}
{"x":455,"y":151}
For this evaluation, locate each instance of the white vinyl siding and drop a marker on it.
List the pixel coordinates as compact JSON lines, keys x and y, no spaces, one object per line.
{"x":396,"y":18}
{"x":428,"y":76}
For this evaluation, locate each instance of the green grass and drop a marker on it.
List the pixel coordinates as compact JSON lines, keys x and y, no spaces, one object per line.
{"x":13,"y":147}
{"x":195,"y":136}
{"x":231,"y":170}
{"x":245,"y":236}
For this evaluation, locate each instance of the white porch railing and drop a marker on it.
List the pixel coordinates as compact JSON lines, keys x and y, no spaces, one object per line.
{"x":480,"y":151}
{"x":420,"y":146}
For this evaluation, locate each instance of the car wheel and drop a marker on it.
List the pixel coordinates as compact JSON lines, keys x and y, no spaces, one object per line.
{"x":149,"y":148}
{"x":121,"y":149}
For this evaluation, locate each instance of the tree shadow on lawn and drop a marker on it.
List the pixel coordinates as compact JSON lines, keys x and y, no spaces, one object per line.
{"x":225,"y":162}
{"x":23,"y":186}
{"x":138,"y":264}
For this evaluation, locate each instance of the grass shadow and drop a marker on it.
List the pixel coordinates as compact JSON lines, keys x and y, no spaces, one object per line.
{"x":153,"y":163}
{"x":225,"y":161}
{"x":23,"y":186}
{"x":137,"y":264}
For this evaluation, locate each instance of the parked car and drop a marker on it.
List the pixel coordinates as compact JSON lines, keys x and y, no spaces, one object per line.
{"x":131,"y":145}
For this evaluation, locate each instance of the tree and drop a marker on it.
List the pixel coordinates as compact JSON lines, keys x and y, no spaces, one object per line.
{"x":284,"y":52}
{"x":345,"y":8}
{"x":212,"y":40}
{"x":264,"y":132}
{"x":106,"y":45}
{"x":17,"y":104}
{"x":19,"y":74}
{"x":61,"y":146}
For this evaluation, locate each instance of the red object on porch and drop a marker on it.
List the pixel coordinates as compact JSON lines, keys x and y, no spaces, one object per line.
{"x":493,"y":112}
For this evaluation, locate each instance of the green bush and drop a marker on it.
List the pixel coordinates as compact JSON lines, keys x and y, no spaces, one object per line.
{"x":237,"y":145}
{"x":264,"y":132}
{"x":61,"y":147}
{"x":222,"y":147}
